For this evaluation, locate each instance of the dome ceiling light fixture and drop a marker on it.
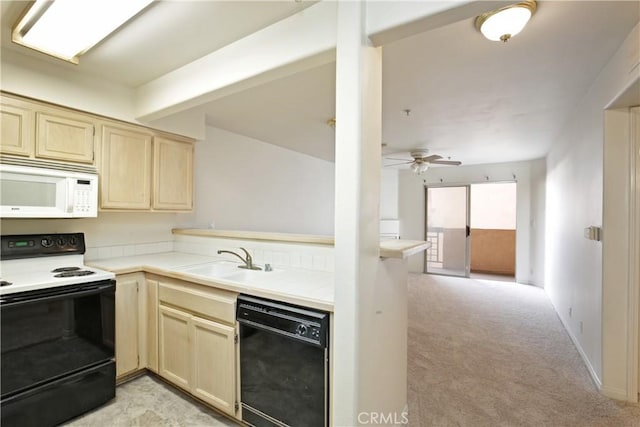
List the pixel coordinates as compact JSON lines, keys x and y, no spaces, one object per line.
{"x":506,"y":22}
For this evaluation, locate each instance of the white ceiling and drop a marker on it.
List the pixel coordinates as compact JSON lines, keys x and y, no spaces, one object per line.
{"x":165,"y":35}
{"x":470,"y":99}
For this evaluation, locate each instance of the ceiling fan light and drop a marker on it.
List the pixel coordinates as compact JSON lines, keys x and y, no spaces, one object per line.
{"x":423,"y":168}
{"x":506,"y":22}
{"x":414,"y":167}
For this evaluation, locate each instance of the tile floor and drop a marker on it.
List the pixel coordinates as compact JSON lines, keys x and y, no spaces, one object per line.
{"x":148,"y":402}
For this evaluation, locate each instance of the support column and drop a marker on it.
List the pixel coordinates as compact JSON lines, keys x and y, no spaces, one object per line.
{"x":358,"y":146}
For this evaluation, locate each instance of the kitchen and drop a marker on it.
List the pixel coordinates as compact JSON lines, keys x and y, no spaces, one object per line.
{"x":119,"y":233}
{"x":115,"y":229}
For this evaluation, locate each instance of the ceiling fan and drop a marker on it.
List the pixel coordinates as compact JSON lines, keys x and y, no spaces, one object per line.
{"x":422,"y":160}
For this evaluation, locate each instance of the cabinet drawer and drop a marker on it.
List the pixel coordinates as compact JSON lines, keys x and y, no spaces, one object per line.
{"x":211,"y":303}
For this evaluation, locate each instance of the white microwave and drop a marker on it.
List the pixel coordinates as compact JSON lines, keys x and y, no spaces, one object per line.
{"x":33,"y":192}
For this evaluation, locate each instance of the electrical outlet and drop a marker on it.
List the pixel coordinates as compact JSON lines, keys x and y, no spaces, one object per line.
{"x":570,"y":311}
{"x":581,"y":328}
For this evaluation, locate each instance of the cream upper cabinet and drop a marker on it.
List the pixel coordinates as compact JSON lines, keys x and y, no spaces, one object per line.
{"x":143,"y":171}
{"x":125,"y":169}
{"x":173,"y":174}
{"x":140,"y":169}
{"x":64,"y":136}
{"x":17,"y":124}
{"x":42,"y":131}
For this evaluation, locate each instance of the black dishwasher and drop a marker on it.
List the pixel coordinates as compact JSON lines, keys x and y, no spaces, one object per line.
{"x":284,"y":364}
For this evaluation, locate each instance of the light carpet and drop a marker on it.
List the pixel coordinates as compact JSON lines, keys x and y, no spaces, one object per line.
{"x":485,"y":353}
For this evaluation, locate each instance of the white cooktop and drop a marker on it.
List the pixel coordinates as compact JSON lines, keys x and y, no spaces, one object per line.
{"x":36,"y":273}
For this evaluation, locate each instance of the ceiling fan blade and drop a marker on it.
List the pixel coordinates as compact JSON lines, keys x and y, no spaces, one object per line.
{"x":400,"y":160}
{"x":431,"y":159}
{"x":446,"y":162}
{"x":398,"y":164}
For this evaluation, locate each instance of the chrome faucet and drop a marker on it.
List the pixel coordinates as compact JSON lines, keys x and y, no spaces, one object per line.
{"x":248,"y":261}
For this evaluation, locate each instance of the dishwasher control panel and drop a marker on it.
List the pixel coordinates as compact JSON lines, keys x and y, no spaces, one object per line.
{"x":294,"y":321}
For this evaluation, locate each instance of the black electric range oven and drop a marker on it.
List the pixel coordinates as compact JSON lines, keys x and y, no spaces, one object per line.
{"x":57,"y":331}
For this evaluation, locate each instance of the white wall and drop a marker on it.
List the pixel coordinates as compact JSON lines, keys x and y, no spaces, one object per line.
{"x":530,"y":208}
{"x":61,"y":84}
{"x":389,"y":194}
{"x":246,"y":184}
{"x":574,"y":264}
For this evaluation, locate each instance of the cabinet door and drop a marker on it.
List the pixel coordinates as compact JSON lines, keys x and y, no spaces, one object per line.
{"x":214,"y":357}
{"x":127,"y":328}
{"x":16,"y":127}
{"x":173,"y":175}
{"x":125,"y":171}
{"x":152,"y":325}
{"x":173,"y":346}
{"x":66,"y":138}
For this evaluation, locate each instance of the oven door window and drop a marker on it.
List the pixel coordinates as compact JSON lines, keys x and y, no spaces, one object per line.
{"x":45,"y":339}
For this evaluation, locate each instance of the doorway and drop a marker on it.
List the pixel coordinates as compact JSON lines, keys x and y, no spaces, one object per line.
{"x":447,"y":229}
{"x":472,"y":230}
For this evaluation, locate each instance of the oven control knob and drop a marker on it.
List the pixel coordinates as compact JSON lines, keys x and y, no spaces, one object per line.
{"x":46,"y":242}
{"x":61,"y":242}
{"x":301,"y":330}
{"x":73,"y":241}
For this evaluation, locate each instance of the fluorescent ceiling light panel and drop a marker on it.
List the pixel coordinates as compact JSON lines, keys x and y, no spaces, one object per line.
{"x":68,"y":28}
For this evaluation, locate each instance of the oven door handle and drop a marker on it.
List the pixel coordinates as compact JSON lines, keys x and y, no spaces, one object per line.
{"x":12,"y":301}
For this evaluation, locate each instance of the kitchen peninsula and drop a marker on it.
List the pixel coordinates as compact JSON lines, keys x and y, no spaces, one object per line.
{"x":164,"y":300}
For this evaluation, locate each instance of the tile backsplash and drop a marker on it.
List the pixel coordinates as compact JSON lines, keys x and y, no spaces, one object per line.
{"x":115,"y":251}
{"x":278,"y":254}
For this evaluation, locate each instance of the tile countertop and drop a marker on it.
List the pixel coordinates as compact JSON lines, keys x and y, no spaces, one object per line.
{"x":309,"y":288}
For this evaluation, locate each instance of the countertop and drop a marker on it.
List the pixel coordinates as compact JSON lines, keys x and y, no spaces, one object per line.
{"x":310,"y":288}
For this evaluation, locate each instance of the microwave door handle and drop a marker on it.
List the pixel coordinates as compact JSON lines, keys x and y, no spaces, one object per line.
{"x":70,"y":195}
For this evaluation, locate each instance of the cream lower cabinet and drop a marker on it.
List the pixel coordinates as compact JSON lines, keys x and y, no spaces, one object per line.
{"x":197,"y":342}
{"x":152,"y":325}
{"x":174,"y":346}
{"x":213,"y":363}
{"x":128,"y":326}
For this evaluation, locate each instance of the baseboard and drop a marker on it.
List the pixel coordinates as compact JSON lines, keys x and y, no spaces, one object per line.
{"x":615,"y":393}
{"x":530,"y":283}
{"x":592,"y":372}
